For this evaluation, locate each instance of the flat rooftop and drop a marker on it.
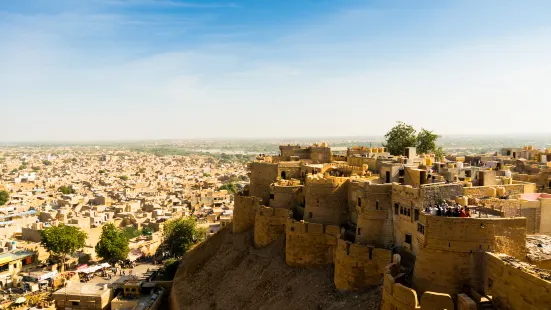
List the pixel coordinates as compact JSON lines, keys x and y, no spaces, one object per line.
{"x":83,"y":289}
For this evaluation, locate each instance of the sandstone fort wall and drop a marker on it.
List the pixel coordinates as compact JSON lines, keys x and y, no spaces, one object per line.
{"x":449,"y":259}
{"x":326,"y":199}
{"x":397,"y":296}
{"x":287,"y":197}
{"x":310,"y":244}
{"x":269,"y":224}
{"x":358,"y":266}
{"x":262,"y":175}
{"x":512,"y":287}
{"x":375,"y":220}
{"x":244,"y":212}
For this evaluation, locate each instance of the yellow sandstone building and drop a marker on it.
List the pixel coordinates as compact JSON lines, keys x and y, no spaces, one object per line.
{"x":375,"y":217}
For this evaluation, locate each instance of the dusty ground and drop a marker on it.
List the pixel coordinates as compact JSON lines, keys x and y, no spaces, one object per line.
{"x":539,"y":250}
{"x":227,"y":272}
{"x":139,"y":270}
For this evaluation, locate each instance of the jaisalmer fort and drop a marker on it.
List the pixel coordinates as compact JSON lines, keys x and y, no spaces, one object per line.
{"x":459,"y":232}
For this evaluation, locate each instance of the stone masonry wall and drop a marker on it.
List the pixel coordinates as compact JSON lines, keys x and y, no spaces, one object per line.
{"x":310,"y":244}
{"x":448,"y":261}
{"x":375,"y":226}
{"x":286,"y":196}
{"x":244,"y":212}
{"x":262,"y":175}
{"x":358,"y":266}
{"x":432,"y":194}
{"x":397,"y":296}
{"x":514,"y":288}
{"x":269,"y":225}
{"x":326,"y":199}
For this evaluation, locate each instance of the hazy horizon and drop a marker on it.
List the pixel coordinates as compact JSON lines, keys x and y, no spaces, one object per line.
{"x":146,"y":70}
{"x":451,"y":137}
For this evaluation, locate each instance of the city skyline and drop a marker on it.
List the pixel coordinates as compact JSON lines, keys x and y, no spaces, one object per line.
{"x":109,"y":70}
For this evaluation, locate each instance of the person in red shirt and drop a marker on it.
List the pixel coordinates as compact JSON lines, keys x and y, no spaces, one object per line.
{"x":462,"y":213}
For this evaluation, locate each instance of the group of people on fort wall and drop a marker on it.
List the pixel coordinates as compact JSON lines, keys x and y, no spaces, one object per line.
{"x":454,"y":210}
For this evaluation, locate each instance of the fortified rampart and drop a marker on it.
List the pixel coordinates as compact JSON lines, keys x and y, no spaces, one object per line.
{"x":269,"y":224}
{"x":244,"y":212}
{"x":310,"y":244}
{"x":286,"y":195}
{"x":451,"y":253}
{"x":262,"y":175}
{"x":289,"y":169}
{"x":358,"y":266}
{"x":516,"y":285}
{"x":450,"y":250}
{"x":375,"y":222}
{"x":396,"y":295}
{"x":326,"y":199}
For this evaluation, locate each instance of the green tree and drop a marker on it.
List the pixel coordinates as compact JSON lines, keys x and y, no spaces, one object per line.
{"x":4,"y":197}
{"x":230,"y":187}
{"x":170,"y":268}
{"x":426,"y":141}
{"x":46,"y":163}
{"x":23,"y":167}
{"x":399,"y":137}
{"x":131,"y":232}
{"x":62,"y":240}
{"x":66,"y":190}
{"x":113,"y":244}
{"x":102,"y":171}
{"x":180,"y":234}
{"x":36,"y":168}
{"x":147,"y":231}
{"x":124,"y":177}
{"x":439,"y":154}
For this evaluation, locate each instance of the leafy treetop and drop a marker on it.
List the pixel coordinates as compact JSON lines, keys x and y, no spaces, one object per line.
{"x":66,"y":190}
{"x":180,"y":234}
{"x":113,"y":244}
{"x":62,"y":240}
{"x":401,"y":136}
{"x":4,"y":197}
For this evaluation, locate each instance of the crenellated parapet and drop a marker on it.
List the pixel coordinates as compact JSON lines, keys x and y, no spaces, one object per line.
{"x":286,"y":194}
{"x":269,"y":224}
{"x":244,"y":212}
{"x":358,"y":266}
{"x":310,"y":244}
{"x":397,"y":295}
{"x":450,"y":250}
{"x":326,"y":199}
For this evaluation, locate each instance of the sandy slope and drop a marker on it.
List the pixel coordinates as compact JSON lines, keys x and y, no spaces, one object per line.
{"x":227,"y":272}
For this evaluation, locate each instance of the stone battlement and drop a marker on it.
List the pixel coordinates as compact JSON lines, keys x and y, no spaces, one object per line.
{"x":244,"y":212}
{"x":396,"y":295}
{"x":269,"y":224}
{"x":358,"y":266}
{"x":310,"y":244}
{"x":321,"y":180}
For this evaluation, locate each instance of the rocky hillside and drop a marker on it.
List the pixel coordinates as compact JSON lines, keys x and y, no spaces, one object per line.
{"x":227,"y":272}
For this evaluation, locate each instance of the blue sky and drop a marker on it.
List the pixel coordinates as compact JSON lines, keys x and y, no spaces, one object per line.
{"x":153,"y":69}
